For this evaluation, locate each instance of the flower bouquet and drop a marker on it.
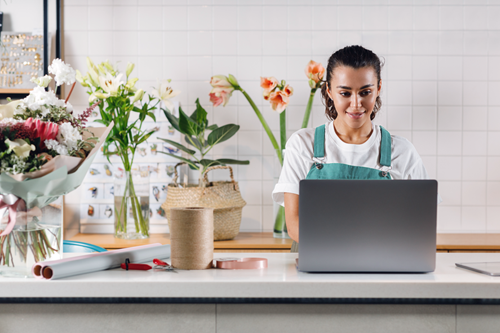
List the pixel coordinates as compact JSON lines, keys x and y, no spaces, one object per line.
{"x":278,"y":94}
{"x":123,"y":105}
{"x":45,"y":152}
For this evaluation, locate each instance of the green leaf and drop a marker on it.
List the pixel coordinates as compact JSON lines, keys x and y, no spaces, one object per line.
{"x":212,"y":127}
{"x":145,"y":137}
{"x":189,"y":162}
{"x":207,"y":163}
{"x":199,"y":115}
{"x":152,"y":116}
{"x":187,"y":125}
{"x":178,"y":145}
{"x":222,"y":134}
{"x":231,"y":161}
{"x":174,"y":121}
{"x":195,"y":142}
{"x":102,"y":121}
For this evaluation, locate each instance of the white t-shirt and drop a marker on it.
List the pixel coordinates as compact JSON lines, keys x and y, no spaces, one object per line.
{"x":405,"y":160}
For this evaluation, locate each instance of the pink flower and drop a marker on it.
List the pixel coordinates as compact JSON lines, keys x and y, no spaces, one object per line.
{"x":220,"y":96}
{"x":42,"y":130}
{"x":220,"y":81}
{"x":268,"y":83}
{"x":266,"y":94}
{"x":288,"y":90}
{"x":279,"y":100}
{"x":315,"y":71}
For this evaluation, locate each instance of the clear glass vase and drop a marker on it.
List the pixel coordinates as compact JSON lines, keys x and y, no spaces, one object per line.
{"x":36,"y":237}
{"x":280,"y":230}
{"x":132,"y":204}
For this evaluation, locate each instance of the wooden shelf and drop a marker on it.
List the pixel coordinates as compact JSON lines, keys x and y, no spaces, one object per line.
{"x":15,"y":91}
{"x":476,"y":242}
{"x":264,"y":242}
{"x":245,"y":241}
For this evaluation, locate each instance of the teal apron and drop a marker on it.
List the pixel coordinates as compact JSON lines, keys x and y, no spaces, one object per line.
{"x":321,"y":170}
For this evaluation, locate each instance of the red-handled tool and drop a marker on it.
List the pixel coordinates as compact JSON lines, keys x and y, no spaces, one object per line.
{"x":138,"y":267}
{"x":162,"y":266}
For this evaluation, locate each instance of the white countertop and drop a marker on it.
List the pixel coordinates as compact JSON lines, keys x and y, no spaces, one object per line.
{"x":280,"y":280}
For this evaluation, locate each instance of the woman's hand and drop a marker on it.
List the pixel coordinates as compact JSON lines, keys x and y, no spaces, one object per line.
{"x":292,"y":215}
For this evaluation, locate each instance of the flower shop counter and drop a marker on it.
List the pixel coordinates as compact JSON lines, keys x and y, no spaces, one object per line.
{"x":220,"y":300}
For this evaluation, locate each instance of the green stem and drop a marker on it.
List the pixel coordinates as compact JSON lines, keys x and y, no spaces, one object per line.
{"x":279,"y":222}
{"x":283,"y":130}
{"x":264,"y":124}
{"x":307,"y":114}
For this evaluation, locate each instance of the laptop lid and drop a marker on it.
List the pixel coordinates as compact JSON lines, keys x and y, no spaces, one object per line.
{"x":367,"y":225}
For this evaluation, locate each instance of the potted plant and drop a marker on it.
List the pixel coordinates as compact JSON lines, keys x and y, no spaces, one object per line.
{"x":223,"y":196}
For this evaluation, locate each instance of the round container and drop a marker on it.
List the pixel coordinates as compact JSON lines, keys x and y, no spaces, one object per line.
{"x":192,"y":237}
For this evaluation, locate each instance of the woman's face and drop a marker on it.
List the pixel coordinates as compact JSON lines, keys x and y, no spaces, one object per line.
{"x":354,"y":92}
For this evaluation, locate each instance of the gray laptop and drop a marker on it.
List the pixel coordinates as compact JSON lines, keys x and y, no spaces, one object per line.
{"x":367,"y":225}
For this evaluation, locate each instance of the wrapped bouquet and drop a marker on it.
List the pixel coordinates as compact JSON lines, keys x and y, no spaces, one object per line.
{"x":45,"y":152}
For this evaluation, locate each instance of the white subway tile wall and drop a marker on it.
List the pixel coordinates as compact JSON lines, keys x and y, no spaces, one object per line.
{"x":441,"y":79}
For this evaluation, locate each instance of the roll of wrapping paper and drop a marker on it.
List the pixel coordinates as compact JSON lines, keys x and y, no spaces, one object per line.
{"x":37,"y":268}
{"x":105,"y":261}
{"x":192,"y":237}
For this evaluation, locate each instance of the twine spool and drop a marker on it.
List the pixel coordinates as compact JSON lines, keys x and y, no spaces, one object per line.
{"x":192,"y":237}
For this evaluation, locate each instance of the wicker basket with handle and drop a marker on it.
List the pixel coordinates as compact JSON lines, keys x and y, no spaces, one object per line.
{"x":223,"y":196}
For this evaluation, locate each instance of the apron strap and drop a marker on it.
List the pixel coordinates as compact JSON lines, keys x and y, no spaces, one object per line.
{"x":385,"y":147}
{"x":319,"y":141}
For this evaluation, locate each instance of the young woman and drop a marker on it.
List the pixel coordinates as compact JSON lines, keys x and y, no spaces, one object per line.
{"x":349,"y":145}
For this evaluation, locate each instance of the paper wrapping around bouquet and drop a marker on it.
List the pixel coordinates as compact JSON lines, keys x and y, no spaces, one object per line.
{"x":57,"y":177}
{"x":192,"y":237}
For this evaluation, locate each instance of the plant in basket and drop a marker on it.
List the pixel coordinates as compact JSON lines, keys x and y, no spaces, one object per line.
{"x":45,"y":152}
{"x":223,"y":196}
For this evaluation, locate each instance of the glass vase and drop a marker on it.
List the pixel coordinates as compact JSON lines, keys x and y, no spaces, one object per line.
{"x":280,"y":230}
{"x":36,"y":237}
{"x":132,"y":204}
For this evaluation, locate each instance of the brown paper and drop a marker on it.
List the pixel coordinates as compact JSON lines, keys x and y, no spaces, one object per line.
{"x":71,"y":162}
{"x":192,"y":237}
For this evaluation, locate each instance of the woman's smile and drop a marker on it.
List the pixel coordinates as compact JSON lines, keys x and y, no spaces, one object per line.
{"x":355,"y":114}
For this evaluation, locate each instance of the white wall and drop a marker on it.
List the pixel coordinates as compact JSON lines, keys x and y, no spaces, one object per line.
{"x":440,"y":82}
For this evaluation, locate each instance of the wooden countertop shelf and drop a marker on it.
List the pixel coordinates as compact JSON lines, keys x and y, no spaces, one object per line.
{"x":264,"y":242}
{"x":244,"y":242}
{"x":14,"y":91}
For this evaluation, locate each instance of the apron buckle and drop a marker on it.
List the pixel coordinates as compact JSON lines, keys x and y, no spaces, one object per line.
{"x":319,"y":166}
{"x":384,"y":173}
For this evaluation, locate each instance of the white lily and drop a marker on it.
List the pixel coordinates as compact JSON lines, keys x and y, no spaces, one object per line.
{"x":100,"y":95}
{"x":8,"y":110}
{"x":130,"y":68}
{"x":20,"y":147}
{"x":42,"y":81}
{"x":131,"y":84}
{"x":82,"y":79}
{"x":138,"y":96}
{"x":110,"y":84}
{"x":165,"y":93}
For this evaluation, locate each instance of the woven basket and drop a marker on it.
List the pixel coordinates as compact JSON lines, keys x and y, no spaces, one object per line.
{"x":223,"y":196}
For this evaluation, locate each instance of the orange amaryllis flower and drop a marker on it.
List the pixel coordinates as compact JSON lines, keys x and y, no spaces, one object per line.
{"x":266,"y":94}
{"x":288,"y":90}
{"x":315,"y":71}
{"x":220,"y":96}
{"x":268,"y":83}
{"x":279,"y":100}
